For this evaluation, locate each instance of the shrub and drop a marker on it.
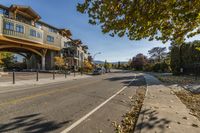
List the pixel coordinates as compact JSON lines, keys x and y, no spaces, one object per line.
{"x":148,"y":67}
{"x":161,"y":67}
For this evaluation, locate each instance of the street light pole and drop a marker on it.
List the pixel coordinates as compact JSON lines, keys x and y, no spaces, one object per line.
{"x":95,"y":56}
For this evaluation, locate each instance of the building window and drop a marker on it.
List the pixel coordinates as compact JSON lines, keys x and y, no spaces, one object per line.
{"x":5,"y":13}
{"x":1,"y":11}
{"x":20,"y":28}
{"x":37,"y":25}
{"x":66,"y":44}
{"x":50,"y":38}
{"x":33,"y":32}
{"x":39,"y":35}
{"x":9,"y":26}
{"x":52,"y":30}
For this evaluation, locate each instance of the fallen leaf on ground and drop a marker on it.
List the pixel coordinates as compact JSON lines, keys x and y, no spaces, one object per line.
{"x":195,"y":125}
{"x":185,"y":118}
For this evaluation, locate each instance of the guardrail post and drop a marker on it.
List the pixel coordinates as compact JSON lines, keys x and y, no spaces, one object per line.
{"x":65,"y":74}
{"x":81,"y":71}
{"x":53,"y":74}
{"x":13,"y":76}
{"x":37,"y":75}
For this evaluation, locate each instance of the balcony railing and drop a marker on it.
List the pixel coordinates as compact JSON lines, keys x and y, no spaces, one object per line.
{"x":14,"y":33}
{"x":71,"y":55}
{"x":26,"y":34}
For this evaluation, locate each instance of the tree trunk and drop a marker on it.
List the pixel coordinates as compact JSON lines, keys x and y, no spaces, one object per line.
{"x":181,"y":59}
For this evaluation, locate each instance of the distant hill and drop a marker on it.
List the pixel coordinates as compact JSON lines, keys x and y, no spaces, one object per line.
{"x":98,"y":62}
{"x":121,"y":62}
{"x":102,"y":62}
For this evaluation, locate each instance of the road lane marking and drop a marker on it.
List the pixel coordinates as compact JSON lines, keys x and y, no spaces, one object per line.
{"x":15,"y":101}
{"x":18,"y":100}
{"x":94,"y":110}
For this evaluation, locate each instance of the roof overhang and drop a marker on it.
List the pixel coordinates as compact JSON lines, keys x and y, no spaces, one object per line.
{"x":65,"y":32}
{"x":26,"y":11}
{"x":13,"y":41}
{"x":77,"y":42}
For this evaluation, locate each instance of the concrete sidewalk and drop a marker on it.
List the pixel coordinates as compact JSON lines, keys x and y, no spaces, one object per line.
{"x":163,"y":112}
{"x":41,"y":81}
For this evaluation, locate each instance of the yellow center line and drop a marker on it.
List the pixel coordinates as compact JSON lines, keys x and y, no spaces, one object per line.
{"x":15,"y":101}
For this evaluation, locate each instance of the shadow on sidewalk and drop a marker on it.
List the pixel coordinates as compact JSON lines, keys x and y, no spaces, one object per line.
{"x":151,"y":121}
{"x":33,"y":123}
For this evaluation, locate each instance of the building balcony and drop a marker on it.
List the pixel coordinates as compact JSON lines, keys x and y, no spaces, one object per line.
{"x":72,"y":56}
{"x":20,"y":30}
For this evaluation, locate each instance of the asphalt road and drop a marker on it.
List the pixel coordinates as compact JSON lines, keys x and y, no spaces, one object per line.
{"x":87,"y":105}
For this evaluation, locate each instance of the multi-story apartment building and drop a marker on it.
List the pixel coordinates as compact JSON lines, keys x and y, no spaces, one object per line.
{"x":22,"y":32}
{"x":75,"y":53}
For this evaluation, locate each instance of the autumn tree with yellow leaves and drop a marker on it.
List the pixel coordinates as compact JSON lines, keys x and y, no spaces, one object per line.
{"x":88,"y":66}
{"x":59,"y":62}
{"x":1,"y":62}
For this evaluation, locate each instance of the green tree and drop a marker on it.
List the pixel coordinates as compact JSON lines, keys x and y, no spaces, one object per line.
{"x":198,"y":48}
{"x":119,"y":65}
{"x":6,"y":59}
{"x":107,"y":66}
{"x":165,"y":20}
{"x":1,"y":62}
{"x":158,"y":53}
{"x":187,"y":60}
{"x":139,"y":61}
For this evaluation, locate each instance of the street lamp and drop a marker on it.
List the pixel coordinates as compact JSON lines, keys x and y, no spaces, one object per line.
{"x":95,"y":55}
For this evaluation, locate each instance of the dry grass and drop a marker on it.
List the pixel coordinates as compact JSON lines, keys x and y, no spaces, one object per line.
{"x":130,"y":118}
{"x":191,"y":100}
{"x":182,"y":80}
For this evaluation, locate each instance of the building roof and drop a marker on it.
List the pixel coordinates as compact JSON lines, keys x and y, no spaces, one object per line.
{"x":29,"y":12}
{"x":44,"y":23}
{"x":25,"y":10}
{"x":85,"y":47}
{"x":65,"y":32}
{"x":4,"y":7}
{"x":77,"y":42}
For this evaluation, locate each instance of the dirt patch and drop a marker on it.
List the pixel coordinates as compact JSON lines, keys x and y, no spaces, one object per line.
{"x":129,"y":121}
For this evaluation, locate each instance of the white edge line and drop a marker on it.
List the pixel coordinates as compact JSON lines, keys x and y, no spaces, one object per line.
{"x":147,"y":85}
{"x":94,"y":110}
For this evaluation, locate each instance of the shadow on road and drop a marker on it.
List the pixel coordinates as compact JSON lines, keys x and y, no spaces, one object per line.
{"x":33,"y":123}
{"x":152,"y":121}
{"x":126,"y":80}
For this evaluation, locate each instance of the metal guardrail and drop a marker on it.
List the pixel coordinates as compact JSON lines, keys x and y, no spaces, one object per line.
{"x":37,"y":73}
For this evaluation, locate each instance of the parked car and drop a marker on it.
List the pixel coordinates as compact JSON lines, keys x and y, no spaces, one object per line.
{"x":15,"y":68}
{"x":99,"y":71}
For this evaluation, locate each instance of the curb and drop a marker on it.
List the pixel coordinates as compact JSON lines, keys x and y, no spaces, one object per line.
{"x":141,"y":115}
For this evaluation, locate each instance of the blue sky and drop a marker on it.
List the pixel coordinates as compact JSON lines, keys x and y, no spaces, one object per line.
{"x":63,"y":14}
